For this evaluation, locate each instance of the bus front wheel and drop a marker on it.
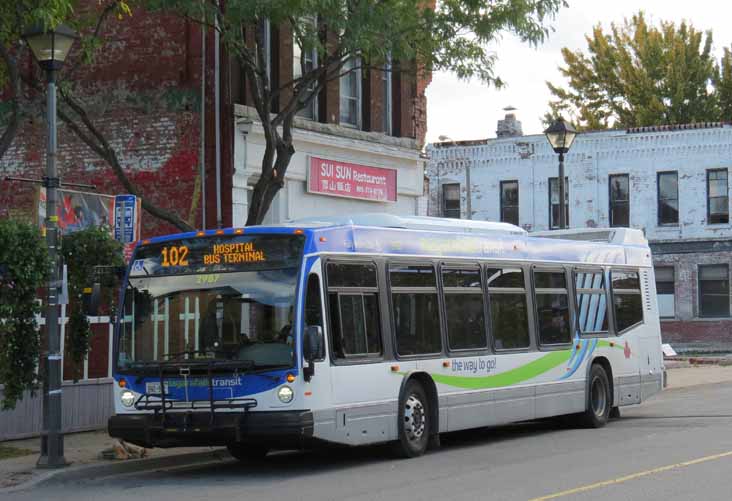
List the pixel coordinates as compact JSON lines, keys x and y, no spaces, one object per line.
{"x":247,"y":453}
{"x":599,"y":399}
{"x":414,"y":424}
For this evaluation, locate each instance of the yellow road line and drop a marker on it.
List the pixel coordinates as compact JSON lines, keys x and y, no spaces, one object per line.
{"x":632,"y":476}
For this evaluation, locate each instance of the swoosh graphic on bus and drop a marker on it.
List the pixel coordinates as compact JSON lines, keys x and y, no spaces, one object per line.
{"x":531,"y":370}
{"x":510,"y":377}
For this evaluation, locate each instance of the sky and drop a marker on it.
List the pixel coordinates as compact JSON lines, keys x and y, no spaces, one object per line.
{"x":469,"y":110}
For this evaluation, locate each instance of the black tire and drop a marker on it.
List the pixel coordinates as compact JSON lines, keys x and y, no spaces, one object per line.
{"x":599,"y":399}
{"x":414,"y":424}
{"x":615,"y":413}
{"x":247,"y":453}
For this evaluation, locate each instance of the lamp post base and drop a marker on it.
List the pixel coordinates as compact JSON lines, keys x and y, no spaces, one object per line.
{"x":49,"y":461}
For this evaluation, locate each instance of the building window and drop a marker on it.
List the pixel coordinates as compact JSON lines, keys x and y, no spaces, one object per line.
{"x":714,"y":290}
{"x":591,"y":302}
{"x":508,"y":311}
{"x":510,"y":202}
{"x":451,"y":200}
{"x":350,"y":89}
{"x":665,"y":288}
{"x":305,"y":60}
{"x":464,"y":309}
{"x":668,"y":198}
{"x":552,"y":307}
{"x":388,"y":97}
{"x":554,"y":202}
{"x":416,"y":309}
{"x":717,"y":197}
{"x":354,"y":310}
{"x":619,"y":200}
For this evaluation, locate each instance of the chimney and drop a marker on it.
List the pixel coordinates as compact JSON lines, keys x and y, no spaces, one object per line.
{"x":509,"y":126}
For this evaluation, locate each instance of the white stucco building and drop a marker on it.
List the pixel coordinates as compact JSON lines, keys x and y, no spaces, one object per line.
{"x":672,"y":182}
{"x":360,"y":161}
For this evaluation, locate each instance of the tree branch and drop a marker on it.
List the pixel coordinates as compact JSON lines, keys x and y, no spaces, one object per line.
{"x":98,"y":143}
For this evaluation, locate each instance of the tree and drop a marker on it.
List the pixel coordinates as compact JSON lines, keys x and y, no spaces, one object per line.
{"x":15,"y":15}
{"x":349,"y":35}
{"x":24,"y":268}
{"x":638,"y":75}
{"x":83,"y":251}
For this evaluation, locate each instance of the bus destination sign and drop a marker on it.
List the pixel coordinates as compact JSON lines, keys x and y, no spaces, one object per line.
{"x":218,"y":254}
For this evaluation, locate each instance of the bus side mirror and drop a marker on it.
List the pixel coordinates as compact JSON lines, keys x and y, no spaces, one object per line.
{"x":91,"y":299}
{"x":312,"y":348}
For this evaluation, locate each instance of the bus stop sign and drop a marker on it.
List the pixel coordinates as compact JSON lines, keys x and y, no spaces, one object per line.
{"x":125,"y":218}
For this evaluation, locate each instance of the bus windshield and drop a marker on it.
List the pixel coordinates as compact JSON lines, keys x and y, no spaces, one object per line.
{"x":211,"y":299}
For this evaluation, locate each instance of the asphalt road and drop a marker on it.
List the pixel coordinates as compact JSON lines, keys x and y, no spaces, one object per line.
{"x":677,"y":446}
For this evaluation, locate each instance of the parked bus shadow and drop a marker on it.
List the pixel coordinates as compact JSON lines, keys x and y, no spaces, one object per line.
{"x":288,"y":465}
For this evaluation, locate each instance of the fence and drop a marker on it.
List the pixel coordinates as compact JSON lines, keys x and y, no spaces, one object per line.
{"x":86,"y":403}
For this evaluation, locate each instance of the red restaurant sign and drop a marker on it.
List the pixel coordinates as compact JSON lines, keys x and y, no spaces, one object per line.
{"x":344,"y":179}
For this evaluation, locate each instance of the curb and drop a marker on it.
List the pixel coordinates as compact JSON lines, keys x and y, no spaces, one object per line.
{"x":97,"y":470}
{"x":721,"y":361}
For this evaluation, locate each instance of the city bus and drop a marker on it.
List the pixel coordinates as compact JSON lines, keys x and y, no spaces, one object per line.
{"x":374,"y":328}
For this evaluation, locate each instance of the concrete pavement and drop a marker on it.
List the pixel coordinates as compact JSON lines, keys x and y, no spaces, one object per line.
{"x":689,"y":422}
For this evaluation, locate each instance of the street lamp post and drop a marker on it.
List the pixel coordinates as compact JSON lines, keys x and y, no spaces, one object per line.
{"x":50,"y":48}
{"x":561,"y":136}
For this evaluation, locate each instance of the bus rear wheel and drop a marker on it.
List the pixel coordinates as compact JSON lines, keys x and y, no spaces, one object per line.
{"x":247,"y":453}
{"x":599,"y":399}
{"x":414,"y":424}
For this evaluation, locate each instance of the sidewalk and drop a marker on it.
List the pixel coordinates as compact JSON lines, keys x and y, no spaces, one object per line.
{"x":693,"y":375}
{"x":82,"y":451}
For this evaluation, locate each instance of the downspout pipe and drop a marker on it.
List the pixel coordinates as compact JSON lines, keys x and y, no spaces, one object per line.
{"x":217,"y":120}
{"x":202,"y":161}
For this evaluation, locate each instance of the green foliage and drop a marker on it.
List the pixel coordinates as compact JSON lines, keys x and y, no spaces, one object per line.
{"x":24,"y":267}
{"x":82,"y":251}
{"x":638,"y":75}
{"x":453,"y":36}
{"x":417,"y":36}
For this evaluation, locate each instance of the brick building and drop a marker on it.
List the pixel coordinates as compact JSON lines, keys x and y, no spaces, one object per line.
{"x":671,"y":182}
{"x":144,"y":93}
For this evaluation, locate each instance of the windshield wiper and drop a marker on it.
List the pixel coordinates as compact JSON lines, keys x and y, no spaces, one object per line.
{"x":168,"y":356}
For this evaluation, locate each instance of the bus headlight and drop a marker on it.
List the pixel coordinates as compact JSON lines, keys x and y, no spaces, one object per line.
{"x":285,"y":394}
{"x":127,"y":398}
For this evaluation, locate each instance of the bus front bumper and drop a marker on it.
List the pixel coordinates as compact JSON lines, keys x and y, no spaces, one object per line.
{"x":276,"y":429}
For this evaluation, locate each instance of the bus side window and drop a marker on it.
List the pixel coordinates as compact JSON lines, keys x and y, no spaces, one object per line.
{"x":509,"y":311}
{"x":552,"y":307}
{"x":591,"y":302}
{"x":627,"y":299}
{"x":354,"y":310}
{"x":313,"y":306}
{"x":415,"y":309}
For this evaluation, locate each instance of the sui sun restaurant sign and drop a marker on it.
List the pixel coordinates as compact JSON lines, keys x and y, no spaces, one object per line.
{"x":344,"y":179}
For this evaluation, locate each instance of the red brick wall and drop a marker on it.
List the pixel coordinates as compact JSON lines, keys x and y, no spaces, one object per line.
{"x":142,"y":93}
{"x":697,"y":331}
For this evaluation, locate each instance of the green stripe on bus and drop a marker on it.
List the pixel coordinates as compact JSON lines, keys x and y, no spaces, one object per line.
{"x":508,"y":378}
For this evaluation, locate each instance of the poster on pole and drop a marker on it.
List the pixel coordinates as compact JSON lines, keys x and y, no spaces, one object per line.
{"x":77,"y":210}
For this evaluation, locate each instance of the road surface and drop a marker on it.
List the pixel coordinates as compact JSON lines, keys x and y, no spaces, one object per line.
{"x":677,"y":446}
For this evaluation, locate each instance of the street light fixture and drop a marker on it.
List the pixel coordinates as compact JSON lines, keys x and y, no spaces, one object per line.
{"x":468,"y":187}
{"x":561,"y":135}
{"x":50,"y":48}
